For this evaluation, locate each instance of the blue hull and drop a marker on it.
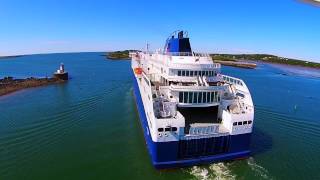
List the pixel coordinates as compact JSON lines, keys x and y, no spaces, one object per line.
{"x":185,"y":153}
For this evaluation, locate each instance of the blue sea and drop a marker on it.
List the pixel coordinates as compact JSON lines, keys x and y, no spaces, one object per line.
{"x":88,"y":128}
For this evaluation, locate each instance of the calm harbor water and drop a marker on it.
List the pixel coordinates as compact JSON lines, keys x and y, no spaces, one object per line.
{"x":88,"y":128}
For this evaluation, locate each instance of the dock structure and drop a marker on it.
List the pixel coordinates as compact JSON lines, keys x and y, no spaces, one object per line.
{"x":238,"y":64}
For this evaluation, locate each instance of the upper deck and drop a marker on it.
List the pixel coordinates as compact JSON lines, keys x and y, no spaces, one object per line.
{"x":177,"y":59}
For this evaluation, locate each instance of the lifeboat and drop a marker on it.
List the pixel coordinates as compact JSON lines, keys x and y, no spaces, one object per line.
{"x":138,"y":71}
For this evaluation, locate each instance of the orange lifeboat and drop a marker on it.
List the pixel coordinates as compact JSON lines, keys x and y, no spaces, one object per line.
{"x":138,"y":71}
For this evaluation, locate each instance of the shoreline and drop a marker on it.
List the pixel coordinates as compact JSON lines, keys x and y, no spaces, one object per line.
{"x":296,"y":70}
{"x":115,"y":58}
{"x":10,"y":57}
{"x":287,"y":65}
{"x":267,"y":58}
{"x":119,"y":55}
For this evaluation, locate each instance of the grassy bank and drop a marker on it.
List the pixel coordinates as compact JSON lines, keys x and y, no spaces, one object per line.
{"x":265,"y":58}
{"x":118,"y":55}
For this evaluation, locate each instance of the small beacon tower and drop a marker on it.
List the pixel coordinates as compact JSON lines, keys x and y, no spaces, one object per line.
{"x":61,"y":73}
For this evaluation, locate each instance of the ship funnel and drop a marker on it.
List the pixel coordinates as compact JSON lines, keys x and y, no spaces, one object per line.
{"x":178,"y":42}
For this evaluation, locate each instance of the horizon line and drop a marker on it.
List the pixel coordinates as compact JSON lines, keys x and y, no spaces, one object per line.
{"x":66,"y":52}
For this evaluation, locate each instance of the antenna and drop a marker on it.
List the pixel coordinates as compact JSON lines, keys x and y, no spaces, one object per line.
{"x":147,"y":47}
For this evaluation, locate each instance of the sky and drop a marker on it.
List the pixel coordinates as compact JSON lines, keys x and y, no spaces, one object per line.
{"x":281,"y":27}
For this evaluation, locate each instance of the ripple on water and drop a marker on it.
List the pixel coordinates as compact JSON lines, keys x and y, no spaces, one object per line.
{"x":18,"y":145}
{"x":290,"y":124}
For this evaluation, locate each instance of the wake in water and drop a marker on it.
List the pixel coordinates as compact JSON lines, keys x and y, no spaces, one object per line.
{"x":220,"y":171}
{"x":259,"y":171}
{"x":214,"y":171}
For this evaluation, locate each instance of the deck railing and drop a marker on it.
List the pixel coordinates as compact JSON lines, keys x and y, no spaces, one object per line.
{"x":233,"y":80}
{"x":186,"y":54}
{"x":192,"y":66}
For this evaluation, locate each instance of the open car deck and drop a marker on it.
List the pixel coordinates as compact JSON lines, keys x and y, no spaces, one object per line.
{"x":194,"y":115}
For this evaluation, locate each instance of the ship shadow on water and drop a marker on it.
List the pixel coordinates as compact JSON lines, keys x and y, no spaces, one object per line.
{"x":261,"y":142}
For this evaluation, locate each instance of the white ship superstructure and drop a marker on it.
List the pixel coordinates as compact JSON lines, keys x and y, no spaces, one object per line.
{"x":190,"y":112}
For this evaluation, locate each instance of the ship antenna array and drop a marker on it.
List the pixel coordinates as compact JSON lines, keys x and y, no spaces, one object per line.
{"x":147,"y":47}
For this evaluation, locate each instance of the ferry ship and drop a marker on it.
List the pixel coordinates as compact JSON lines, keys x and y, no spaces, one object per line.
{"x":190,"y":113}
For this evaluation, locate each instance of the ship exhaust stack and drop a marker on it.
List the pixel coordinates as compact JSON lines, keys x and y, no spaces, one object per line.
{"x":178,"y":42}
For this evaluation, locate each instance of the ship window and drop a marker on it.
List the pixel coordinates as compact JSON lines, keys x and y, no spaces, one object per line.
{"x":180,"y":97}
{"x":185,"y":97}
{"x":196,"y":73}
{"x":217,"y":97}
{"x":239,"y":123}
{"x":183,"y":73}
{"x":235,"y":123}
{"x":160,"y":129}
{"x":179,"y":73}
{"x":203,"y":73}
{"x":245,"y":122}
{"x":207,"y":73}
{"x":187,"y":73}
{"x":240,"y":94}
{"x":200,"y":97}
{"x":195,"y":97}
{"x":190,"y":97}
{"x":167,"y":129}
{"x":208,"y":96}
{"x":204,"y":97}
{"x":199,"y":73}
{"x":212,"y":96}
{"x":174,"y":129}
{"x":191,"y":73}
{"x":249,"y":122}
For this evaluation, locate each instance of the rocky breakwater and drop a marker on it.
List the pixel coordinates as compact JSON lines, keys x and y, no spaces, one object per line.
{"x":10,"y":84}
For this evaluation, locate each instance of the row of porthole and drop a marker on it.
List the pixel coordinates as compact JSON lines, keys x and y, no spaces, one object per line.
{"x":242,"y":123}
{"x":167,"y":129}
{"x":196,"y":73}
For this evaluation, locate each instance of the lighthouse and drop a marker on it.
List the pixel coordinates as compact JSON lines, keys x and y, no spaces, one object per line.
{"x":61,"y":73}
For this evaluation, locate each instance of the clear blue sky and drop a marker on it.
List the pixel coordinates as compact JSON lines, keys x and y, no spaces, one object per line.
{"x":282,"y":27}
